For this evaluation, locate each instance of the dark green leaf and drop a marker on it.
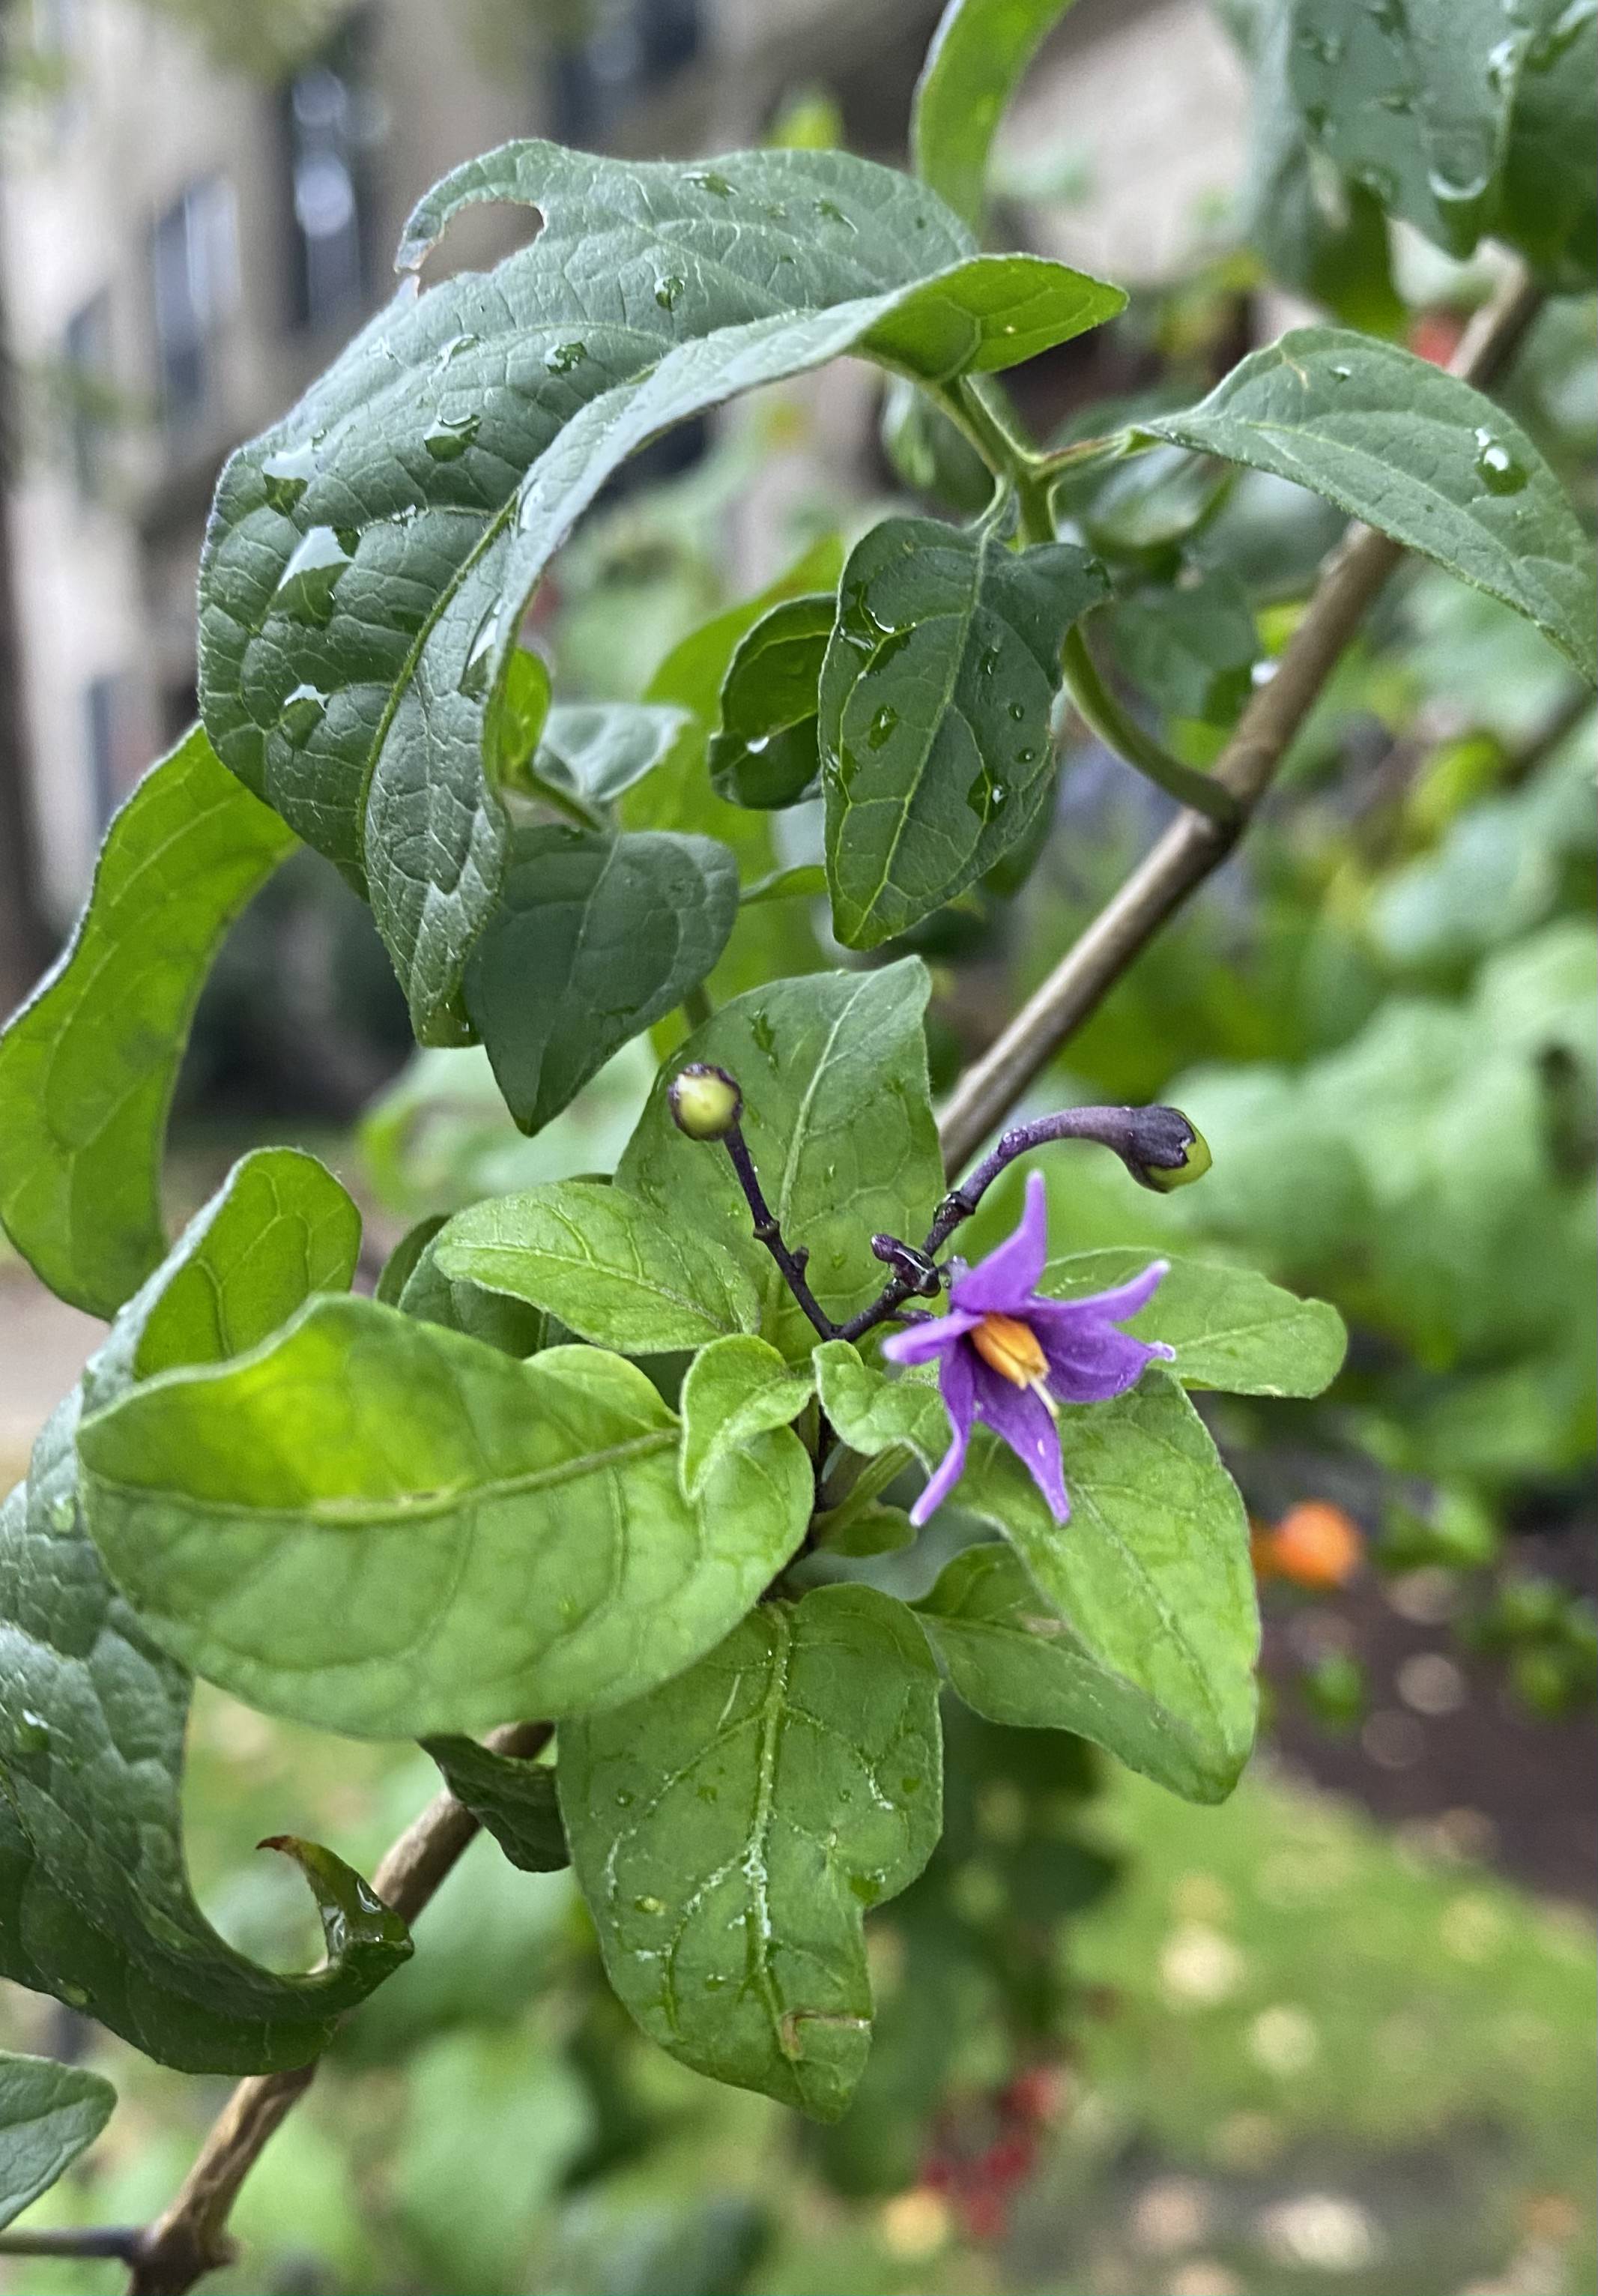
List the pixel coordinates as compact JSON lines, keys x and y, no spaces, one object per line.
{"x":735,"y":1389}
{"x":379,"y":1526}
{"x":1412,"y":98}
{"x":1416,"y":453}
{"x":729,"y":1831}
{"x":371,"y":556}
{"x":605,"y":1263}
{"x":48,"y":2114}
{"x":1190,"y":648}
{"x":405,"y":1258}
{"x":1231,"y":1328}
{"x":765,"y":753}
{"x":1550,"y":197}
{"x":514,"y":1798}
{"x":598,"y":749}
{"x":479,"y":1310}
{"x":837,"y":1116}
{"x":595,"y":937}
{"x":935,"y":699}
{"x":978,"y":55}
{"x":930,"y":453}
{"x":94,"y":1903}
{"x":87,"y":1066}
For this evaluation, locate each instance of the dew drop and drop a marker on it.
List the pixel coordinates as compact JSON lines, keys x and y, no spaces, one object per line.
{"x":311,"y":577}
{"x":714,"y":1984}
{"x":1025,"y":756}
{"x":1016,"y":711}
{"x":31,"y":1733}
{"x":285,"y":475}
{"x":988,"y":662}
{"x":562,"y":358}
{"x":63,"y":1512}
{"x":449,"y":436}
{"x":987,"y":797}
{"x":455,"y":348}
{"x":624,"y":1800}
{"x":707,"y":179}
{"x":831,"y":212}
{"x":882,"y":726}
{"x":1341,"y":373}
{"x":1497,"y":467}
{"x":668,"y":288}
{"x":76,"y":1997}
{"x":478,"y":670}
{"x":302,"y":712}
{"x":867,"y":1888}
{"x":649,"y":1905}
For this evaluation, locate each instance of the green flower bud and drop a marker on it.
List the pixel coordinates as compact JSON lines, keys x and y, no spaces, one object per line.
{"x":705,"y":1103}
{"x":1193,"y":1167}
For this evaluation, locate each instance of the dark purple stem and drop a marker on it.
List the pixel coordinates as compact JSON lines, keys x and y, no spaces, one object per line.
{"x":124,"y":2242}
{"x":767,"y":1232}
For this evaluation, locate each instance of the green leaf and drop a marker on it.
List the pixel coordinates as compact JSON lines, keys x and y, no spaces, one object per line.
{"x":380,"y":1527}
{"x":605,"y":1263}
{"x":89,"y":1064}
{"x":94,"y":1903}
{"x":1231,"y":1328}
{"x":729,"y":1832}
{"x":1416,"y":453}
{"x":935,"y":700}
{"x":978,"y":55}
{"x":735,"y":1389}
{"x":873,"y":1529}
{"x":838,"y":1119}
{"x":599,"y":749}
{"x":514,"y":1798}
{"x":596,"y":937}
{"x":458,"y":1304}
{"x":806,"y":881}
{"x":49,"y":2113}
{"x":1190,"y":648}
{"x":1549,"y":190}
{"x":405,"y":1258}
{"x":1413,"y":101}
{"x":1152,"y":1571}
{"x":764,"y":753}
{"x":371,"y":558}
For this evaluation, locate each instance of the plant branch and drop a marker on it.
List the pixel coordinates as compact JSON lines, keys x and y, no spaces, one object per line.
{"x":1120,"y":731}
{"x":769,"y":1232}
{"x":118,"y":2241}
{"x":191,"y":2238}
{"x":1194,"y":846}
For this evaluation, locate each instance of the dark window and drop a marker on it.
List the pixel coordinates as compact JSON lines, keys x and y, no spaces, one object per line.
{"x":194,"y":259}
{"x":330,"y":124}
{"x":88,"y":391}
{"x":631,"y":46}
{"x":106,"y":738}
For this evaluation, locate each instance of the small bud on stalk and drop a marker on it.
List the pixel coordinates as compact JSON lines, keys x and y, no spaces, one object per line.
{"x":1178,"y":1155}
{"x":705,"y":1103}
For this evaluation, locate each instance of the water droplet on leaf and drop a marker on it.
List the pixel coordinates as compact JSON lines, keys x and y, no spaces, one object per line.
{"x":562,"y":358}
{"x":31,"y":1734}
{"x":708,"y":179}
{"x":478,"y":672}
{"x":312,"y":575}
{"x":649,"y":1905}
{"x":668,"y":288}
{"x":449,"y":436}
{"x":882,"y":725}
{"x":302,"y":712}
{"x":1497,"y":467}
{"x":286,"y":476}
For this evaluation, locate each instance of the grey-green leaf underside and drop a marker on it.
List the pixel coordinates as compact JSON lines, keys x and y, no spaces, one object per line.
{"x":49,"y":2113}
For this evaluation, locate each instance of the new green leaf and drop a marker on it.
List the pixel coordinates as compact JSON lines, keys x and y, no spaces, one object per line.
{"x":836,"y":1113}
{"x":598,"y":749}
{"x":379,"y":1526}
{"x":596,"y":937}
{"x":94,"y":1902}
{"x":371,"y":558}
{"x":48,"y":2114}
{"x":734,"y":1390}
{"x":514,"y":1798}
{"x":1415,"y":453}
{"x":978,"y":55}
{"x":934,"y":712}
{"x":89,"y":1064}
{"x":729,"y":1831}
{"x":764,"y":753}
{"x":605,"y":1263}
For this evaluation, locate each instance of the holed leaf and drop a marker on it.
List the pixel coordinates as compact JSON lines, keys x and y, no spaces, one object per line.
{"x":370,"y":557}
{"x":94,"y":1903}
{"x":729,"y":1831}
{"x":1231,"y":1327}
{"x":48,"y":2114}
{"x":379,"y":1526}
{"x":836,"y":1113}
{"x":1415,"y":453}
{"x":605,"y":1263}
{"x":514,"y":1798}
{"x":934,"y":712}
{"x":978,"y":55}
{"x":89,"y":1064}
{"x":734,"y":1390}
{"x":764,"y":753}
{"x":596,"y":937}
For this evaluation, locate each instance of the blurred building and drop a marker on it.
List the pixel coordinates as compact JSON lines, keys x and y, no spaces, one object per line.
{"x":185,"y":247}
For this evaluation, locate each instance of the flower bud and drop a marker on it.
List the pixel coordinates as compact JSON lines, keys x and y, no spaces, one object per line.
{"x":1171,"y":1152}
{"x":705,"y":1103}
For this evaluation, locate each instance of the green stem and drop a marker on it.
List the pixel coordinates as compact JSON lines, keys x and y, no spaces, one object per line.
{"x":868,"y":1486}
{"x":1122,"y":734}
{"x":985,"y":419}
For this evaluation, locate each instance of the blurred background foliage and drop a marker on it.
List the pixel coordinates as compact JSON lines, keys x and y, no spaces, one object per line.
{"x":1338,"y":2032}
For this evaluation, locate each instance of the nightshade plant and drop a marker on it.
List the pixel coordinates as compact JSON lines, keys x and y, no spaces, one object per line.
{"x":582,"y":1472}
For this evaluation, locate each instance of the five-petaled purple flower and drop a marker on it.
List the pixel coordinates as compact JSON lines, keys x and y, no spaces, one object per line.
{"x":1007,"y":1357}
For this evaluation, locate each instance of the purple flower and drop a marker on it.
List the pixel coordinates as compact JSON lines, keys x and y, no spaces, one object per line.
{"x":1007,"y":1355}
